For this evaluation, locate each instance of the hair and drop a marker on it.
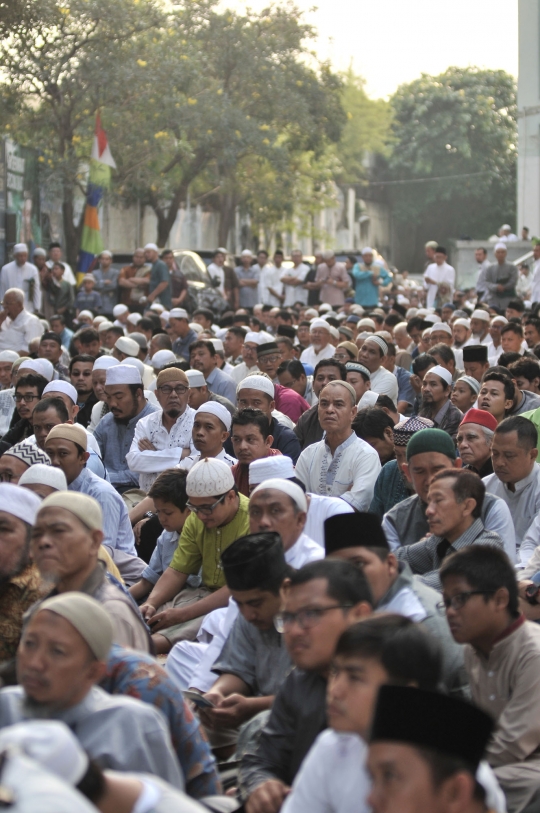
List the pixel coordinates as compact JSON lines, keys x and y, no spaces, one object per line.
{"x":527,"y":435}
{"x":263,"y":251}
{"x":505,"y":359}
{"x":205,"y":312}
{"x":415,"y":322}
{"x":392,"y":320}
{"x":53,"y":403}
{"x":444,"y":351}
{"x":237,"y":331}
{"x":92,"y":785}
{"x":146,"y":324}
{"x":203,"y":343}
{"x":89,"y":334}
{"x":170,"y":486}
{"x":331,"y":363}
{"x":534,"y":322}
{"x":346,"y":583}
{"x":57,"y":317}
{"x":163,"y":340}
{"x":516,"y":305}
{"x":442,"y":767}
{"x":285,"y":314}
{"x":292,"y":366}
{"x":371,"y":423}
{"x":32,"y":380}
{"x":422,"y":362}
{"x":54,"y":245}
{"x":512,"y":327}
{"x":485,"y":568}
{"x":525,"y":368}
{"x":49,"y":335}
{"x":385,"y":402}
{"x":440,"y":250}
{"x":247,"y":416}
{"x":304,"y":323}
{"x":166,"y":252}
{"x":119,"y":331}
{"x":83,"y":357}
{"x":481,"y":248}
{"x":286,"y":340}
{"x":506,"y":381}
{"x":407,"y":651}
{"x":466,"y":484}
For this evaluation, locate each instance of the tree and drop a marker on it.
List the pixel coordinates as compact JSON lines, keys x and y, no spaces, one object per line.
{"x":461,"y":123}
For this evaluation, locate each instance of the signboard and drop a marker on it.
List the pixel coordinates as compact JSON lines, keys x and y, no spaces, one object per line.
{"x":20,"y":178}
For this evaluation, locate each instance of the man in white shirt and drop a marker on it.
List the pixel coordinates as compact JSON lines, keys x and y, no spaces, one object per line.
{"x":215,"y":269}
{"x":17,"y":326}
{"x":480,"y":255}
{"x":23,"y":275}
{"x":249,"y":356}
{"x":480,"y":321}
{"x":535,"y":274}
{"x":270,"y":286}
{"x":439,"y":276}
{"x":371,"y":355}
{"x":507,"y":235}
{"x":320,"y":346}
{"x":293,"y":280}
{"x":55,"y":256}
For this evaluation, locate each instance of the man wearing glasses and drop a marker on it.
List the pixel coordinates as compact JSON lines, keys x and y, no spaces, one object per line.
{"x":163,"y":438}
{"x":219,"y":516}
{"x":28,"y":391}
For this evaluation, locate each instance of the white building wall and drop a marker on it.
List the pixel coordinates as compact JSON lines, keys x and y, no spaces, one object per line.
{"x":528,"y":190}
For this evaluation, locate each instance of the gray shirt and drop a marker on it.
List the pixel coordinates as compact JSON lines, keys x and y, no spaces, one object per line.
{"x":249,"y":295}
{"x":162,"y":555}
{"x":504,"y":274}
{"x":530,"y":401}
{"x":222,"y":384}
{"x":115,"y":439}
{"x":107,"y":286}
{"x":116,"y":732}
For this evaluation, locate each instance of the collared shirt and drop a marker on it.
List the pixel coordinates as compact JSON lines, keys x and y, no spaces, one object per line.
{"x":269,"y":277}
{"x":310,"y":356}
{"x":187,"y":462}
{"x":201,"y":547}
{"x":16,"y":334}
{"x":16,"y":596}
{"x":383,"y":382}
{"x":349,"y":473}
{"x":181,"y":346}
{"x":222,"y":384}
{"x":285,"y":440}
{"x":426,"y":557}
{"x":524,"y":504}
{"x":115,"y":441}
{"x":329,"y":293}
{"x":161,"y":557}
{"x":107,"y":286}
{"x":89,"y":301}
{"x":504,"y":274}
{"x":26,"y":278}
{"x":117,"y":528}
{"x":7,"y":408}
{"x":249,"y":294}
{"x":169,"y":445}
{"x":448,"y":418}
{"x":117,"y":732}
{"x":242,"y":371}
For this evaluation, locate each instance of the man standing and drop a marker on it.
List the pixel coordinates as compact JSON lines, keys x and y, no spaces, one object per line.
{"x":320,"y":346}
{"x":180,"y":332}
{"x":203,"y":357}
{"x":23,"y":275}
{"x":160,"y":278}
{"x":248,"y":280}
{"x":55,"y":256}
{"x":270,"y":287}
{"x":370,"y":355}
{"x":107,"y":283}
{"x":17,"y":325}
{"x":368,"y":276}
{"x":162,"y":438}
{"x":332,"y":281}
{"x":133,"y":280}
{"x":293,"y":279}
{"x":500,"y":279}
{"x":439,"y":280}
{"x":480,"y":255}
{"x":436,"y":404}
{"x":535,"y":274}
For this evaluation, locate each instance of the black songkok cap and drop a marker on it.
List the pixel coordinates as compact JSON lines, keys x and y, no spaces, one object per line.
{"x":475,"y":352}
{"x":425,"y":719}
{"x":286,"y":330}
{"x":267,"y":347}
{"x":253,"y":560}
{"x":358,"y":530}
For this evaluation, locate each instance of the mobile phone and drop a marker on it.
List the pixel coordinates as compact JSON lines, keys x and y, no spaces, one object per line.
{"x":198,"y":699}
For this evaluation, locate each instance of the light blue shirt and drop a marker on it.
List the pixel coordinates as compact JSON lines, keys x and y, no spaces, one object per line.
{"x":222,"y":384}
{"x":161,"y":557}
{"x":116,"y":525}
{"x":115,"y":440}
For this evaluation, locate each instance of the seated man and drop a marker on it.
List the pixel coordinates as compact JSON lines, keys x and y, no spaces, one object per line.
{"x":374,"y":426}
{"x":497,"y":392}
{"x":502,"y":658}
{"x":429,"y":452}
{"x":360,"y":540}
{"x":371,"y":354}
{"x":436,"y":403}
{"x":219,"y":516}
{"x":308,"y":429}
{"x":251,"y":440}
{"x":258,"y":392}
{"x":321,"y":601}
{"x":454,"y":507}
{"x":199,"y":393}
{"x":211,"y":428}
{"x":66,"y":538}
{"x":341,"y":465}
{"x":474,"y":439}
{"x":28,"y":390}
{"x":117,"y":732}
{"x":432,"y":767}
{"x":516,"y":476}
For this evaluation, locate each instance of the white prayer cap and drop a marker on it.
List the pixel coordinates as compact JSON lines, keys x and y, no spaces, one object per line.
{"x":123,"y":374}
{"x":151,"y":247}
{"x":134,"y":318}
{"x":366,"y":322}
{"x":422,"y":312}
{"x":105,"y":253}
{"x":290,"y":489}
{"x":221,"y":250}
{"x":196,"y":327}
{"x":86,"y":314}
{"x":209,"y":478}
{"x":98,"y":320}
{"x":157,"y":308}
{"x":128,"y":346}
{"x":368,"y":399}
{"x":481,"y":314}
{"x":9,"y":355}
{"x":164,"y":316}
{"x":334,"y":332}
{"x":433,"y":318}
{"x":442,"y":372}
{"x":501,"y":245}
{"x":255,"y":338}
{"x":51,"y":744}
{"x":20,"y":502}
{"x":257,"y":382}
{"x":104,"y":326}
{"x":218,"y":345}
{"x":217,"y":409}
{"x":40,"y":474}
{"x":442,"y":326}
{"x":39,"y":252}
{"x":246,"y":253}
{"x":61,"y":386}
{"x":42,"y":367}
{"x":18,"y":248}
{"x":463,"y":323}
{"x":320,"y":324}
{"x":162,"y":358}
{"x":499,"y":320}
{"x":91,"y":277}
{"x":506,"y":227}
{"x":195,"y":377}
{"x":311,"y":313}
{"x":426,"y":333}
{"x":104,"y":362}
{"x":118,"y":310}
{"x":325,"y":307}
{"x":266,"y":337}
{"x":266,"y":468}
{"x":378,"y":340}
{"x":367,"y":250}
{"x":178,"y":313}
{"x":131,"y":362}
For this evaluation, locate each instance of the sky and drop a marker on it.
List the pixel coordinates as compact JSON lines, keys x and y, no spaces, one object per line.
{"x":393,"y":41}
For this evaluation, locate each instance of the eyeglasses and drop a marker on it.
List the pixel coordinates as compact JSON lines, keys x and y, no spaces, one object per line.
{"x":28,"y":398}
{"x":269,"y":359}
{"x":206,"y":510}
{"x":179,"y":390}
{"x":306,"y":619}
{"x":460,"y":599}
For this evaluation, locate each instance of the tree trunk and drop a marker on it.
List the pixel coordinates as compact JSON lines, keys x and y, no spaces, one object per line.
{"x":226,"y":219}
{"x":72,"y":233}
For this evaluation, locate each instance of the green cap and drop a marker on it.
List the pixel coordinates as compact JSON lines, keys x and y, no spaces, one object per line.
{"x":431,"y":440}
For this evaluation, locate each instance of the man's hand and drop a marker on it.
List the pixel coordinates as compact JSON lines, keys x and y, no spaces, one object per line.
{"x":500,"y":289}
{"x":146,"y":445}
{"x":147,"y":610}
{"x":230,"y":711}
{"x":268,"y":797}
{"x":430,"y":281}
{"x":416,"y":383}
{"x":137,"y":530}
{"x":166,"y":618}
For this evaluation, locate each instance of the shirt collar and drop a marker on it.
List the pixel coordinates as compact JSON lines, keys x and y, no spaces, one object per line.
{"x":211,"y":378}
{"x":346,"y":443}
{"x":522,"y":484}
{"x":466,"y":538}
{"x":442,"y":412}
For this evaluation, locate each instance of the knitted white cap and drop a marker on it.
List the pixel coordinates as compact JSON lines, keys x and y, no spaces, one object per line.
{"x":195,"y":378}
{"x":217,"y":409}
{"x":290,"y":489}
{"x":61,"y":386}
{"x":267,"y":468}
{"x":161,"y":358}
{"x":44,"y":475}
{"x":104,"y":362}
{"x":123,"y":374}
{"x":8,"y":355}
{"x":127,"y":346}
{"x":257,"y":382}
{"x":481,"y":314}
{"x":51,"y":744}
{"x":442,"y":326}
{"x":209,"y":478}
{"x":178,"y":313}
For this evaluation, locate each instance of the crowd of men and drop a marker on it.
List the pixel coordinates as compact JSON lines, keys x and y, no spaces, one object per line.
{"x":278,"y":555}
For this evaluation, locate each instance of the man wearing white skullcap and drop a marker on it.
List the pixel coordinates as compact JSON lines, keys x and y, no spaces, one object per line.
{"x":120,"y":313}
{"x":24,"y":275}
{"x":249,"y":356}
{"x":115,"y":431}
{"x":18,"y":326}
{"x":99,"y":374}
{"x":439,"y":279}
{"x":371,"y":354}
{"x":43,"y":480}
{"x":20,"y":582}
{"x":160,"y":279}
{"x":7,"y":357}
{"x":500,"y":279}
{"x":200,"y":394}
{"x":436,"y":404}
{"x":461,"y":333}
{"x":106,"y":277}
{"x":320,"y":345}
{"x":219,"y":516}
{"x":258,"y":392}
{"x":160,"y":359}
{"x":180,"y":332}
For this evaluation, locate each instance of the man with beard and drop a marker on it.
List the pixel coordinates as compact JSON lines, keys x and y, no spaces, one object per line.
{"x":436,"y":404}
{"x":320,"y":346}
{"x":20,"y":582}
{"x":162,"y":438}
{"x":116,"y":430}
